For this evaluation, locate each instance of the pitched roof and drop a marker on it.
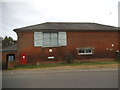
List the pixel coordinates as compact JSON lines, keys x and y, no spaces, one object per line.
{"x":66,"y":26}
{"x":11,"y":48}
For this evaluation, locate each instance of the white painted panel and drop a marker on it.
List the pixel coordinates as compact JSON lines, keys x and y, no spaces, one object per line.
{"x":54,"y":41}
{"x":62,"y":39}
{"x":38,"y":39}
{"x":46,"y":34}
{"x":53,"y":34}
{"x":62,"y":35}
{"x":46,"y":41}
{"x":62,"y":42}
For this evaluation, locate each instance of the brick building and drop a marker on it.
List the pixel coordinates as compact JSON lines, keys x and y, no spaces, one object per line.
{"x":55,"y":40}
{"x":8,"y":56}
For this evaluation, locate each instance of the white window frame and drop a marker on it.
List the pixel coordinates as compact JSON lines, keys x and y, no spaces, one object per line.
{"x":85,"y":51}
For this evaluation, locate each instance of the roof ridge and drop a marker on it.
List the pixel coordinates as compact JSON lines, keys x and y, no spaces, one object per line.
{"x":68,"y":22}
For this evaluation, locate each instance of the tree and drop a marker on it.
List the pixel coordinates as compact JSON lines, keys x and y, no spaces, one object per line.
{"x":1,"y":42}
{"x":7,"y":41}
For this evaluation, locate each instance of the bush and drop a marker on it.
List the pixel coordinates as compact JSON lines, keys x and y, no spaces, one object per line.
{"x":117,"y":56}
{"x":69,"y":58}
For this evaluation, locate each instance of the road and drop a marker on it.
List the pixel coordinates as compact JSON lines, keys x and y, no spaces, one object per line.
{"x":56,"y":78}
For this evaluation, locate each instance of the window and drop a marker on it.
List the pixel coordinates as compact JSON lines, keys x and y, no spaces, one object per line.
{"x":85,"y":51}
{"x":11,"y":57}
{"x":50,"y":39}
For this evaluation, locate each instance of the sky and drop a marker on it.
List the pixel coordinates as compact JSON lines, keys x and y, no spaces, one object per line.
{"x":20,"y":13}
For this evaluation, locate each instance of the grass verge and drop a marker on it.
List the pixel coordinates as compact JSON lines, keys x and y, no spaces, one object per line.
{"x":85,"y":63}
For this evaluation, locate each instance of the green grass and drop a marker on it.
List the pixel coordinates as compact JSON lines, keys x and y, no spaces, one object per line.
{"x":63,"y":64}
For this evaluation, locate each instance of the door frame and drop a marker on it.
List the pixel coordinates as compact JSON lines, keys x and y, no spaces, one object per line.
{"x":11,"y":54}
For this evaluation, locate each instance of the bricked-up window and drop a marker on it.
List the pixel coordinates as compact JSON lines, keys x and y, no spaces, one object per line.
{"x":50,"y":39}
{"x":85,"y":51}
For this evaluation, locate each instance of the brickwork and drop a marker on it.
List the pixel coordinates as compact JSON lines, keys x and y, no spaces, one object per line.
{"x":101,"y":41}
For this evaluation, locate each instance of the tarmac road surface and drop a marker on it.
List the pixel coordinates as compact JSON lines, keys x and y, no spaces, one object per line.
{"x":57,"y":78}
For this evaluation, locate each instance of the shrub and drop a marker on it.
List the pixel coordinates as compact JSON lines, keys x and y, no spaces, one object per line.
{"x":117,"y":56}
{"x":69,"y":58}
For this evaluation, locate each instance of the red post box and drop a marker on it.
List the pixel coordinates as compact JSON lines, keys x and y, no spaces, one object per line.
{"x":24,"y":59}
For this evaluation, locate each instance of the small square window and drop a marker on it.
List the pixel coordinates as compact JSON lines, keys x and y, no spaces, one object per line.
{"x":84,"y":51}
{"x":10,"y":58}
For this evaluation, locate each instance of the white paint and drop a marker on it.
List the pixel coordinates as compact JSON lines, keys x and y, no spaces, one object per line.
{"x":52,"y":57}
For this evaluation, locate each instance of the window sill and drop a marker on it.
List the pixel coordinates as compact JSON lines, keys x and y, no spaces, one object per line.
{"x":85,"y":54}
{"x":48,"y":46}
{"x":51,"y":46}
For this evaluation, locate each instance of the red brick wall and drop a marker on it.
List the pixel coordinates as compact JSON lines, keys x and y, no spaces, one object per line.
{"x":99,"y":40}
{"x":119,"y":40}
{"x":4,"y":58}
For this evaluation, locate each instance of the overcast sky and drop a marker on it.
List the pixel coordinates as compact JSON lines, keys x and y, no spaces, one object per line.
{"x":16,"y":14}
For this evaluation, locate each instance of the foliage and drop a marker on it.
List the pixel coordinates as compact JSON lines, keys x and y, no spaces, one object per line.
{"x":117,"y":56}
{"x":69,"y":58}
{"x":1,"y":42}
{"x":7,"y":41}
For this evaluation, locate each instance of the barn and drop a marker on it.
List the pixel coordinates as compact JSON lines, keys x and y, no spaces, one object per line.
{"x":55,"y":40}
